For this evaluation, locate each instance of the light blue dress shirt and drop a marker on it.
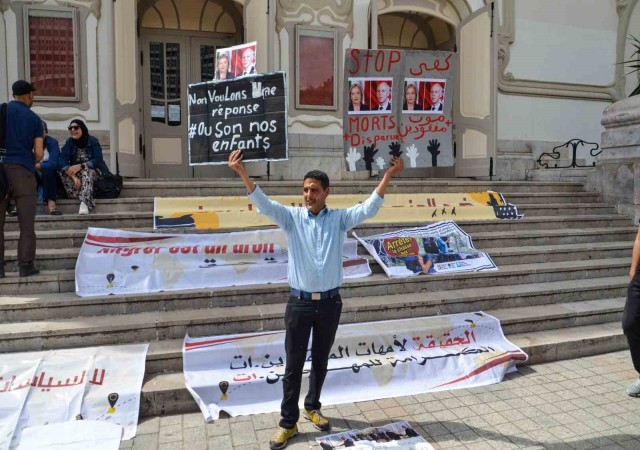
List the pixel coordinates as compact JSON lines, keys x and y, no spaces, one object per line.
{"x":315,"y":242}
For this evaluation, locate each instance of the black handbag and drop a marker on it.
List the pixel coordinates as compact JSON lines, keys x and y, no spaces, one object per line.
{"x":107,"y":185}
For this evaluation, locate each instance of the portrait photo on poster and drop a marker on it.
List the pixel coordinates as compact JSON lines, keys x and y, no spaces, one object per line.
{"x":244,"y":60}
{"x":370,"y":95}
{"x":433,"y":90}
{"x":223,"y":65}
{"x":412,"y":101}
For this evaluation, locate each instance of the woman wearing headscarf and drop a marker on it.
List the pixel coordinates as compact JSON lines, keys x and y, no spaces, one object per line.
{"x":79,"y":159}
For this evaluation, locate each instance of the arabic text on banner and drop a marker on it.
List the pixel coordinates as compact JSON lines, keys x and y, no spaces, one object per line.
{"x":97,"y":383}
{"x":397,"y":435}
{"x":242,"y":374}
{"x":398,"y":103}
{"x":125,"y":262}
{"x":439,"y":248}
{"x":210,"y":213}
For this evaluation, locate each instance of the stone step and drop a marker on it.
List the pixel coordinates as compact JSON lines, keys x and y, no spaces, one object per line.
{"x":583,"y":228}
{"x":39,"y":307}
{"x":186,"y":188}
{"x":576,"y":174}
{"x":64,"y":280}
{"x":166,"y":393}
{"x":145,"y":204}
{"x":145,"y":219}
{"x":65,"y":259}
{"x":527,"y":310}
{"x":172,"y":323}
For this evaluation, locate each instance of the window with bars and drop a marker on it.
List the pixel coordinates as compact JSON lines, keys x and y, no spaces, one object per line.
{"x":51,"y":49}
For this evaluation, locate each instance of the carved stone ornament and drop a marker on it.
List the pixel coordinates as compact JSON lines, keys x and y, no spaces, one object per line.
{"x":95,"y":6}
{"x":315,"y":12}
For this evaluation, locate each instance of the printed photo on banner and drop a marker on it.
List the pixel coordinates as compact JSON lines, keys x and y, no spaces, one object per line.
{"x":434,"y":92}
{"x":357,"y":102}
{"x":423,"y":96}
{"x":382,"y":87}
{"x":398,"y":435}
{"x":370,"y":95}
{"x":439,"y":248}
{"x":236,"y":61}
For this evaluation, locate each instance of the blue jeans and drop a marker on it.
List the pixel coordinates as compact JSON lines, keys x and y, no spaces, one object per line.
{"x":301,"y":318}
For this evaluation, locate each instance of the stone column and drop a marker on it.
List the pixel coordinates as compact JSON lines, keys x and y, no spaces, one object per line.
{"x":618,"y":166}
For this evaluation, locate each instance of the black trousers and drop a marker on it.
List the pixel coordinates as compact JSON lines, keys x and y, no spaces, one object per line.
{"x":302,"y":317}
{"x":23,"y":189}
{"x":631,"y":320}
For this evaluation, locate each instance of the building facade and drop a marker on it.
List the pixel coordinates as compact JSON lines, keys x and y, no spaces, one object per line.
{"x":532,"y":75}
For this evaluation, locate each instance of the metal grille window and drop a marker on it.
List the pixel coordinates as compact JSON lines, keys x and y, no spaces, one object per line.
{"x":51,"y":52}
{"x":164,"y":61}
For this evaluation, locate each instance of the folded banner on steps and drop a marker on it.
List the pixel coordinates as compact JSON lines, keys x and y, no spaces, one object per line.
{"x":242,"y":374}
{"x":95,"y":383}
{"x":439,"y":248}
{"x":207,"y":213}
{"x":397,"y":435}
{"x":126,"y":262}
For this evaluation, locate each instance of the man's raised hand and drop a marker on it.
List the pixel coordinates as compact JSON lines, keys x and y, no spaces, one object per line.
{"x":235,"y":161}
{"x":397,"y":166}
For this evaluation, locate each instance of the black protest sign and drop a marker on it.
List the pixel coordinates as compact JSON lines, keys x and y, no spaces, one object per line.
{"x":248,"y":114}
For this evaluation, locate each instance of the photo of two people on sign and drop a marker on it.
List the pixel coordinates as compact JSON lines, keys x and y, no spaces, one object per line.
{"x":423,"y":253}
{"x":374,"y":96}
{"x":234,"y":62}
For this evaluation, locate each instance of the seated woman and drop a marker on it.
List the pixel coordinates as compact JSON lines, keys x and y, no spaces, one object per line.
{"x":80,"y":157}
{"x":47,"y":170}
{"x":223,"y":68}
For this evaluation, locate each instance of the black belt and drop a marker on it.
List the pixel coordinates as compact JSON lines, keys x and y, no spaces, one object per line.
{"x":315,"y":295}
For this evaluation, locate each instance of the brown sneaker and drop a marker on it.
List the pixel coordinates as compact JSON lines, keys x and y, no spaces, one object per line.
{"x":319,"y":421}
{"x":281,"y":437}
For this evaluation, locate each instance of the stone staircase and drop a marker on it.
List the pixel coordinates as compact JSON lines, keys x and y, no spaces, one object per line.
{"x":559,"y":291}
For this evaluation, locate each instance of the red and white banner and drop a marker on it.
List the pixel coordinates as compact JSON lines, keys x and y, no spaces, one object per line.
{"x":242,"y":374}
{"x":99,"y":383}
{"x":126,"y":262}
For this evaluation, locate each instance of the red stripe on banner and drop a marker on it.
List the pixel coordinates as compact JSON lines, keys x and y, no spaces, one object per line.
{"x":354,"y":262}
{"x":194,"y":345}
{"x":122,"y":240}
{"x":515,"y":355}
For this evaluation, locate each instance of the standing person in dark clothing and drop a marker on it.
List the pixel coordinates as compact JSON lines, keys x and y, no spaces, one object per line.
{"x":631,"y":315}
{"x":315,"y":235}
{"x":24,"y":150}
{"x":48,"y":170}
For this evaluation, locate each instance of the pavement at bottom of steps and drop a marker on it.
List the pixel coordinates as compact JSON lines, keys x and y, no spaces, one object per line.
{"x":573,"y":404}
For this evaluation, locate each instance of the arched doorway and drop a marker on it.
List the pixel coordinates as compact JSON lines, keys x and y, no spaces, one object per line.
{"x":415,"y":31}
{"x":470,"y":28}
{"x":178,"y":41}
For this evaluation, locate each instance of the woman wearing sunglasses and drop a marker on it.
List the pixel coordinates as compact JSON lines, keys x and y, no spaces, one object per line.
{"x":79,"y":158}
